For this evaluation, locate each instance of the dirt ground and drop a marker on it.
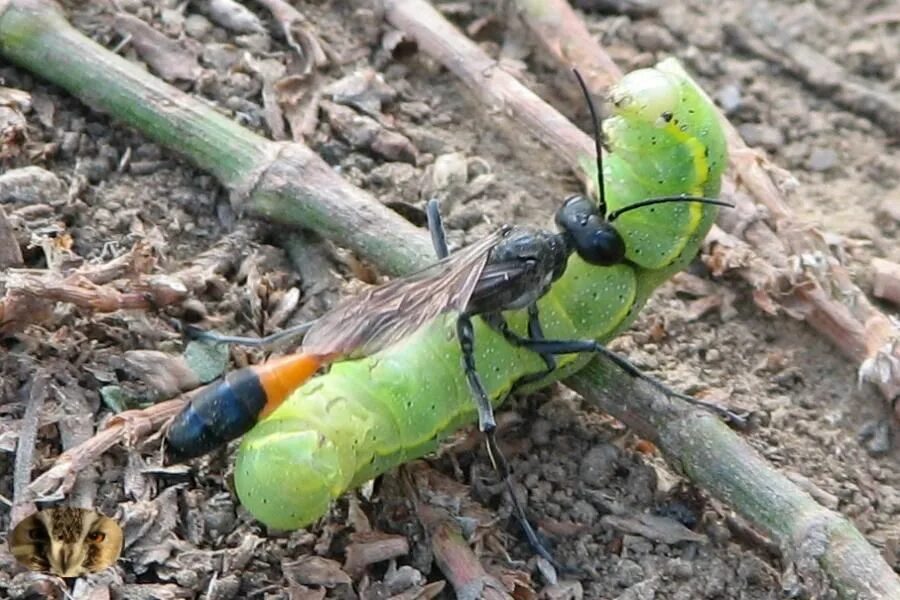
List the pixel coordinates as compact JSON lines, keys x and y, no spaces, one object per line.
{"x":186,"y":534}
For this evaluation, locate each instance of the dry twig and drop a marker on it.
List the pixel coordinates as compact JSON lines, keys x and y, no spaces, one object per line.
{"x":887,"y":280}
{"x":452,"y":553}
{"x":31,"y":293}
{"x":10,"y":253}
{"x":129,"y":426}
{"x":23,"y":499}
{"x":760,"y":34}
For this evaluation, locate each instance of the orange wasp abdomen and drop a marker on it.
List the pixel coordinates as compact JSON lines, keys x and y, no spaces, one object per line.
{"x":231,"y":407}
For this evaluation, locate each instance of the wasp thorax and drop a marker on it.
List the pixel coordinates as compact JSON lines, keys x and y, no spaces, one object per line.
{"x":587,"y":232}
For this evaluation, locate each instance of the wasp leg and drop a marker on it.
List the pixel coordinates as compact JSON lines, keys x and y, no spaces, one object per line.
{"x":498,"y":323}
{"x":580,"y":346}
{"x":466,"y":335}
{"x":498,"y":460}
{"x":436,"y":228}
{"x":196,"y":333}
{"x":488,"y":426}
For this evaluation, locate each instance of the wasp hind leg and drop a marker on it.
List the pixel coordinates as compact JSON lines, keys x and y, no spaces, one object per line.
{"x":486,"y":422}
{"x":557,"y":347}
{"x":488,"y":426}
{"x":196,"y":333}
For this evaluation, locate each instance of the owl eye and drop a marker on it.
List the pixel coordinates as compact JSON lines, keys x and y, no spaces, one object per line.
{"x":96,"y":536}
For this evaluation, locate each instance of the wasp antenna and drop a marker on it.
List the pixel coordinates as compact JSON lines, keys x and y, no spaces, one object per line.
{"x":666,"y":200}
{"x":598,"y":146}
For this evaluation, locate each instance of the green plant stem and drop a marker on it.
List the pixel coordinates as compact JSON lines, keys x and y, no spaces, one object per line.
{"x":824,"y":547}
{"x":283,"y":182}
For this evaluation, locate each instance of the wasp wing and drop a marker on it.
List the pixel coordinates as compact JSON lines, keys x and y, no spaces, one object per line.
{"x":385,"y":314}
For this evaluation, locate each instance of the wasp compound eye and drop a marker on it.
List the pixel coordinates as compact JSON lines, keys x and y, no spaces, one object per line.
{"x":600,"y":245}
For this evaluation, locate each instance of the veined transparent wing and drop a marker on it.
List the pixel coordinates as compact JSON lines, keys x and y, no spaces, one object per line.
{"x":385,"y":314}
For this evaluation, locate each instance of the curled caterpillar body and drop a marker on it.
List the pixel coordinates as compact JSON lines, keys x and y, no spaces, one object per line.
{"x":369,"y":415}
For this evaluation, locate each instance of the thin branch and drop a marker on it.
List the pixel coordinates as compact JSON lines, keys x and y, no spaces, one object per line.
{"x":566,"y":38}
{"x":32,"y":293}
{"x":130,"y":426}
{"x":827,"y":550}
{"x":761,"y":35}
{"x":23,"y":499}
{"x":886,"y":284}
{"x":284,"y":182}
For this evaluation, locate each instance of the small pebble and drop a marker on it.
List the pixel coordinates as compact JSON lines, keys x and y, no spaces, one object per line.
{"x":197,"y":26}
{"x":599,"y":465}
{"x":680,"y":569}
{"x":225,"y":588}
{"x":95,"y":169}
{"x":70,"y":143}
{"x":129,"y":6}
{"x":629,"y":573}
{"x":759,"y":134}
{"x":172,"y":21}
{"x":729,"y":97}
{"x":584,"y":512}
{"x":890,"y":208}
{"x":449,"y":170}
{"x":653,"y":38}
{"x":718,"y":533}
{"x":821,"y":159}
{"x":414,"y":110}
{"x":541,"y":431}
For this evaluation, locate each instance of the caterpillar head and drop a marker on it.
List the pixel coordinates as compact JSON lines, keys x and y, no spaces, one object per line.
{"x":647,"y":95}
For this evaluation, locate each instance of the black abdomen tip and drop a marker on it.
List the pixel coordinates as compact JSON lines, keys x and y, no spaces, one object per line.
{"x":221,"y":413}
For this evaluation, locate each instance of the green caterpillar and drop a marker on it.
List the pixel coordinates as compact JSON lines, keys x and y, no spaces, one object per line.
{"x":366,"y":416}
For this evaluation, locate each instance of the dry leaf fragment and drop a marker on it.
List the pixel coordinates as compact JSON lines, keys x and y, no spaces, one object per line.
{"x":654,"y":527}
{"x":315,"y":570}
{"x":373,"y":547}
{"x":364,"y":90}
{"x":234,"y":16}
{"x":172,"y":60}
